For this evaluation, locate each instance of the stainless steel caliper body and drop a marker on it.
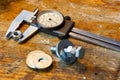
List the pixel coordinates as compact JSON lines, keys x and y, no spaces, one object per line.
{"x":54,"y":23}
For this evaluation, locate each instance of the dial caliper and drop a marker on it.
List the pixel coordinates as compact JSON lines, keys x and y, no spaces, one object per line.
{"x":54,"y":23}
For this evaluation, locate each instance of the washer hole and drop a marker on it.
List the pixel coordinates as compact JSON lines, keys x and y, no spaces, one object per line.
{"x":50,"y":19}
{"x":40,"y":59}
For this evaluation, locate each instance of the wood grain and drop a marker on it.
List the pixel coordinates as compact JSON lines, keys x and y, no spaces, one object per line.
{"x":97,"y":16}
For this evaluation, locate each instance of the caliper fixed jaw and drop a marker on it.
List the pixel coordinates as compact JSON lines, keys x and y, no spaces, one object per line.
{"x":24,"y":17}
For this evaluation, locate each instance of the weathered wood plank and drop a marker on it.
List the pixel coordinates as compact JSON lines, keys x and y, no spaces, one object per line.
{"x":100,"y":17}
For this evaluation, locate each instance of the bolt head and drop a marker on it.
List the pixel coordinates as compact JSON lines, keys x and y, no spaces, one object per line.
{"x":79,"y":52}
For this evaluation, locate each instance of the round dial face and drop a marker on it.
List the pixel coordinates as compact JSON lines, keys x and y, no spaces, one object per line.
{"x":50,"y":19}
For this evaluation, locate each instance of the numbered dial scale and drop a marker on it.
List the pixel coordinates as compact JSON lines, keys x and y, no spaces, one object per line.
{"x":50,"y":19}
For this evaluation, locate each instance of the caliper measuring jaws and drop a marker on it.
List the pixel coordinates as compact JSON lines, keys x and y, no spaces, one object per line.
{"x":24,"y":17}
{"x":54,"y":23}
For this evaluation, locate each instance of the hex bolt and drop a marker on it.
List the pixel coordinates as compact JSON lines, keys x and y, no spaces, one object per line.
{"x":67,"y":52}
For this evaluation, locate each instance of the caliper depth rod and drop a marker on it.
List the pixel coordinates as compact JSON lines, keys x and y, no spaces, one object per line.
{"x":95,"y":39}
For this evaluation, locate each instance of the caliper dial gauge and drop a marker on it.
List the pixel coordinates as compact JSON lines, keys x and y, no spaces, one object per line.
{"x":50,"y":19}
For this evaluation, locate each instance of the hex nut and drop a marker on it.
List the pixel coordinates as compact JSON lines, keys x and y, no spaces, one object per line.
{"x":16,"y":35}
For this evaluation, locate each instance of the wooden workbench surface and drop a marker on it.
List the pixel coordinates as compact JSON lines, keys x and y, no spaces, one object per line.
{"x":101,"y":17}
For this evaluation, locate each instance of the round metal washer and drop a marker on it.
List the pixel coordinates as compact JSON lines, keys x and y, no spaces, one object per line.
{"x":70,"y":58}
{"x":62,"y":45}
{"x":38,"y":60}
